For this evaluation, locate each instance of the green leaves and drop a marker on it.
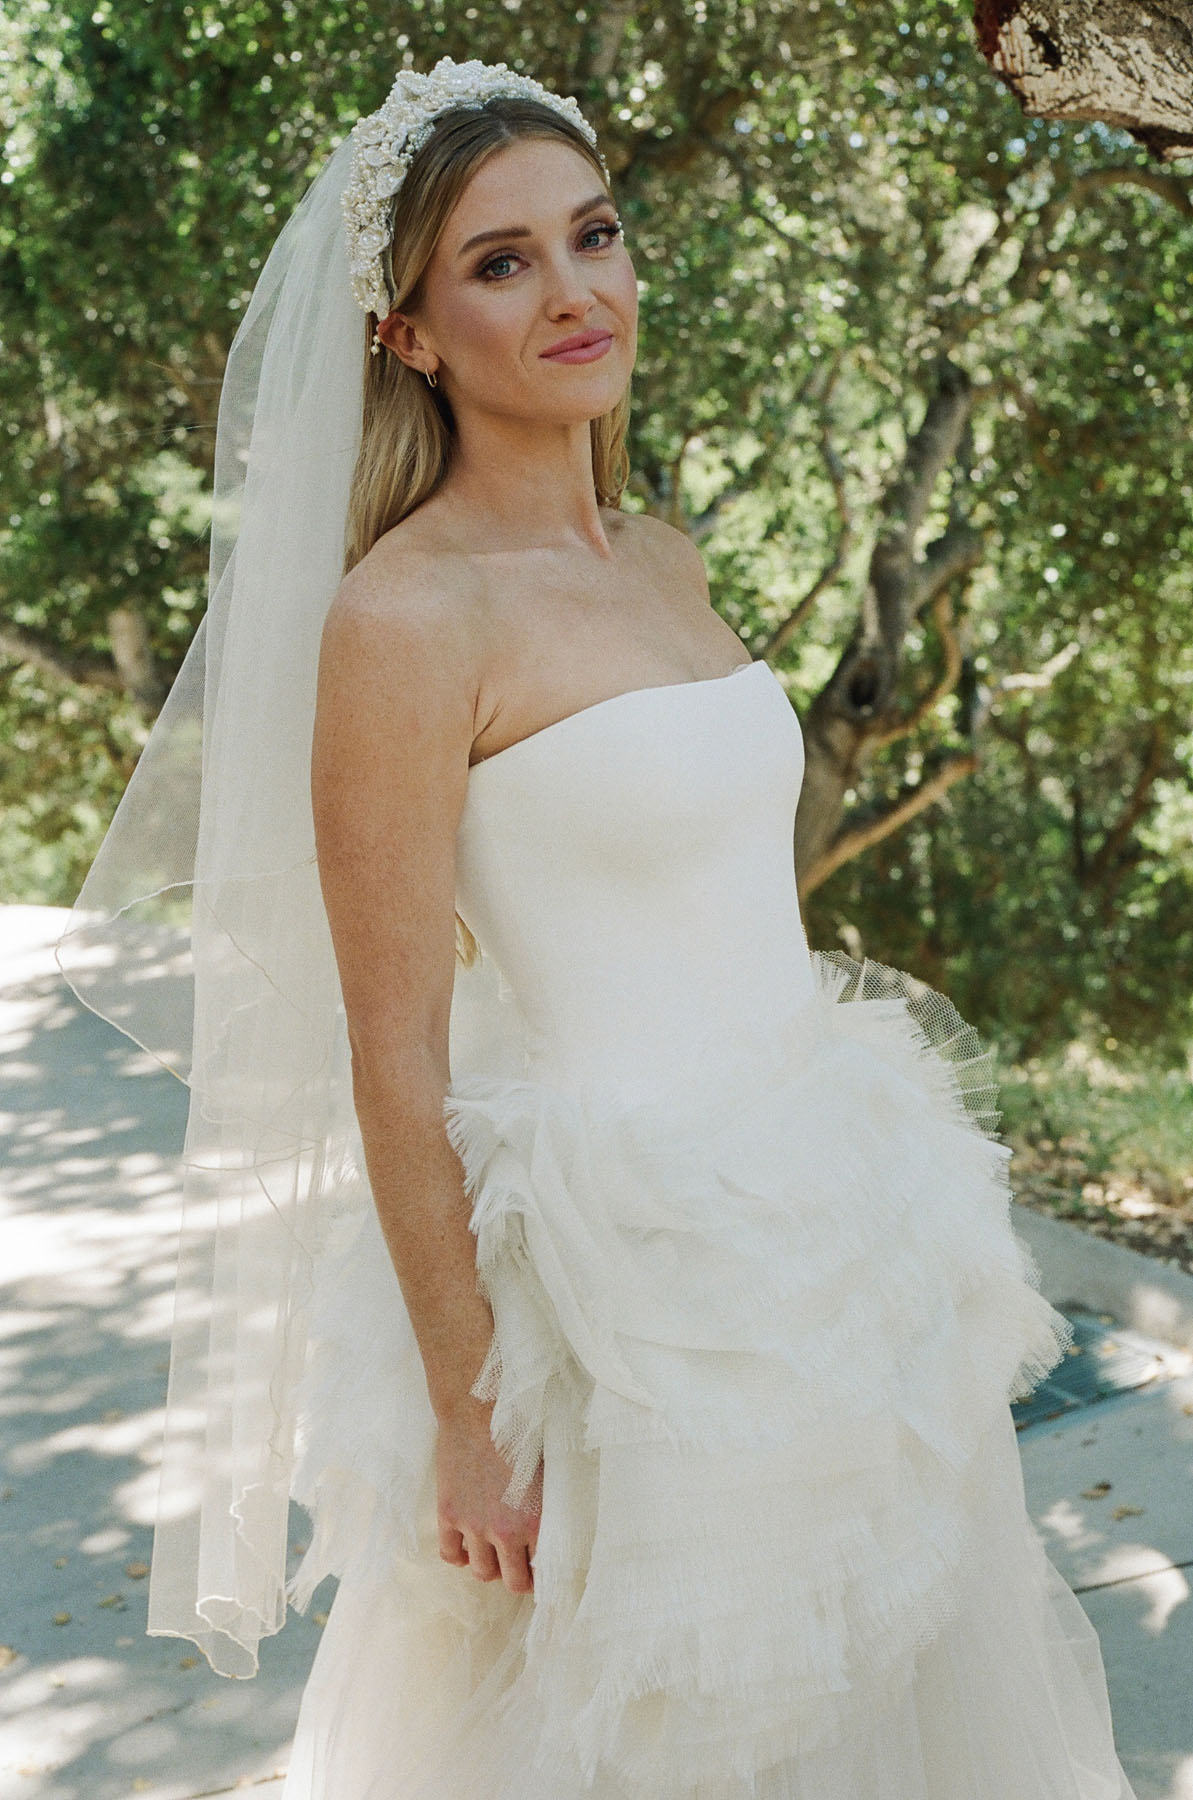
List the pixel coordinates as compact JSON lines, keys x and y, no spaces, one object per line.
{"x":820,"y":202}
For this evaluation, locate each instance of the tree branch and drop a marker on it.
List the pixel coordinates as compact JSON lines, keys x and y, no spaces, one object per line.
{"x":786,"y":629}
{"x":928,"y":454}
{"x":66,"y":671}
{"x":949,"y":558}
{"x":851,"y":840}
{"x":942,"y":614}
{"x":1097,"y":59}
{"x":1098,"y":865}
{"x":1174,"y":189}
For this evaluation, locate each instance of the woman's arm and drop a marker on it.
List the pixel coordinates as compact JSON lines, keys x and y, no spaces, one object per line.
{"x":394,"y":724}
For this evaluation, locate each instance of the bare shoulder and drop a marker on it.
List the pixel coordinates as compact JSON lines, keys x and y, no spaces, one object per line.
{"x":665,"y":546}
{"x":410,"y":618}
{"x":409,"y":587}
{"x":395,"y":712}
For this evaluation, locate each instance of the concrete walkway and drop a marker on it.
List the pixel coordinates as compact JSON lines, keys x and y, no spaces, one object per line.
{"x":93,"y":1709}
{"x":90,"y":1707}
{"x":1110,"y":1488}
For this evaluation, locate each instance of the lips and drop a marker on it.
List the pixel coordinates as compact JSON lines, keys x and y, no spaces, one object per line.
{"x":579,"y":342}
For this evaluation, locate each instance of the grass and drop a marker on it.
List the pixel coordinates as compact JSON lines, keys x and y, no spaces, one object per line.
{"x":1107,"y":1144}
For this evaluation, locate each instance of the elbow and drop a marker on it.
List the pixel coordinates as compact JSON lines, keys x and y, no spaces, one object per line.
{"x":413,"y":1076}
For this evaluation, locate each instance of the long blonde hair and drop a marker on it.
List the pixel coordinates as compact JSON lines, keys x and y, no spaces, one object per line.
{"x":408,"y":433}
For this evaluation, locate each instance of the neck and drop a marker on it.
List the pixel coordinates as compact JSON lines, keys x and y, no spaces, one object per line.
{"x":528,"y":483}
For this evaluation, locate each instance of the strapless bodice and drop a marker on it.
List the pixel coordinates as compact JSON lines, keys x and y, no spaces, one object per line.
{"x":630,"y":871}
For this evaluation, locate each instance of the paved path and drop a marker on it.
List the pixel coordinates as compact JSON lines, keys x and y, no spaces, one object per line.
{"x":90,"y":1707}
{"x":93,"y":1709}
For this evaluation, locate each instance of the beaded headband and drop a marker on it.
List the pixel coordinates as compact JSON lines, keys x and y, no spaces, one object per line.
{"x":387,"y":142}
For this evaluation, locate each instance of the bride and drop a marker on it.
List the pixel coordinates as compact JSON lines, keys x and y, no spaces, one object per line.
{"x":530,"y":334}
{"x":628,"y":1291}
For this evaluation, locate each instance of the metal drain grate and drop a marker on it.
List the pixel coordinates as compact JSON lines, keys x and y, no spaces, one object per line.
{"x":1106,"y":1358}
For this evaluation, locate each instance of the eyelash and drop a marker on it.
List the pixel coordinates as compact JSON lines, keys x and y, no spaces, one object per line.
{"x":612,"y":231}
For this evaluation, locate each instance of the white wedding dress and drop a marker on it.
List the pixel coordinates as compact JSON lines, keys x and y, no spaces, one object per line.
{"x":759,"y":1308}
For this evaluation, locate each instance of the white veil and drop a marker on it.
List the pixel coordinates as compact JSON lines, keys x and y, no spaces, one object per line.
{"x":200,"y":932}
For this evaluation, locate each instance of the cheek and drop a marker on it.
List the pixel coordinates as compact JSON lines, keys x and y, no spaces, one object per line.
{"x":483,"y":329}
{"x":629,"y":291}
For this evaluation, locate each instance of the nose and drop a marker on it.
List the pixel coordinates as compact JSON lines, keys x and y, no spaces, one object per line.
{"x":567,"y":284}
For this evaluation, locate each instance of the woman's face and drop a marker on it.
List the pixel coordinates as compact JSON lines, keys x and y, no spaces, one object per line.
{"x":551,"y":265}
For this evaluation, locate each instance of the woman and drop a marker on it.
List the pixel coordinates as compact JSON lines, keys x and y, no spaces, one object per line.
{"x":629,"y":1293}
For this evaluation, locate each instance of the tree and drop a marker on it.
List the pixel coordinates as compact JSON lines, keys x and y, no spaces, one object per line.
{"x":1098,"y":59}
{"x":934,"y":449}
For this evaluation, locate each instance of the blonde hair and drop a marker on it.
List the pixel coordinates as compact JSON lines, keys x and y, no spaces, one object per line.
{"x":408,"y":432}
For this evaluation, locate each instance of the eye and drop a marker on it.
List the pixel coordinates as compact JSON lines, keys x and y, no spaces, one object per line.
{"x":609,"y":230}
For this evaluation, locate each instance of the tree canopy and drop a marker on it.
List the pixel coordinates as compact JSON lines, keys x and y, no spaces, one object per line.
{"x":913,"y":372}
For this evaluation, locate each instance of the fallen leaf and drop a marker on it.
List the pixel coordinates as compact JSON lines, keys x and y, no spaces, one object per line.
{"x":60,"y":1562}
{"x":1127,"y":1512}
{"x":188,"y":1662}
{"x":136,"y":1571}
{"x":112,"y":1415}
{"x":116,"y":1601}
{"x":7,"y":1656}
{"x":319,"y":1618}
{"x":62,"y":1618}
{"x":1098,"y":1492}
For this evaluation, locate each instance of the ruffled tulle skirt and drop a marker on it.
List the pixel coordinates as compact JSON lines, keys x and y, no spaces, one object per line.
{"x":761,"y":1331}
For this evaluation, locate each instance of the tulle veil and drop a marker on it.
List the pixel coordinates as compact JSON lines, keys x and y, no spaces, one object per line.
{"x":200,"y":932}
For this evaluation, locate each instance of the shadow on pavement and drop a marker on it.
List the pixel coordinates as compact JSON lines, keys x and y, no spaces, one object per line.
{"x":90,"y":1707}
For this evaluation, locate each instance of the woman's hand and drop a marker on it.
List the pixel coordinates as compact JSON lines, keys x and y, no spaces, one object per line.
{"x":475,"y":1529}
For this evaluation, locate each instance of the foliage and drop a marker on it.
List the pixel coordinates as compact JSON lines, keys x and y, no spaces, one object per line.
{"x":821,"y":202}
{"x":1103,"y":1137}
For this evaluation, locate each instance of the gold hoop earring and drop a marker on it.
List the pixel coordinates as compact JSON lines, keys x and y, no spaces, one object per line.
{"x":432,"y":380}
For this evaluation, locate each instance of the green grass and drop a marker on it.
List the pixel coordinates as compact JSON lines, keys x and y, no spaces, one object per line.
{"x":1114,"y":1115}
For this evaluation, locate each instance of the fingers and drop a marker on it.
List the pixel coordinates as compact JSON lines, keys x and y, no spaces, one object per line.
{"x":451,"y":1545}
{"x":516,"y":1571}
{"x":507,"y":1559}
{"x":482,"y":1558}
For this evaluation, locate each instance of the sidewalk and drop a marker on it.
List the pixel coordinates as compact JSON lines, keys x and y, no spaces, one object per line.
{"x":1109,"y":1487}
{"x":90,"y":1707}
{"x":93,"y":1709}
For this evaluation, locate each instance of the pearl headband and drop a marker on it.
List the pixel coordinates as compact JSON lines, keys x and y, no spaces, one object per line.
{"x":386,"y":143}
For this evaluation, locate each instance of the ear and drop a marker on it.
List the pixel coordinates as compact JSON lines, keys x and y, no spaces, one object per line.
{"x":398,"y":334}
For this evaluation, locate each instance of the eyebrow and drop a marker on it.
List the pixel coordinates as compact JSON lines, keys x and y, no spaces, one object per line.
{"x":522,"y":231}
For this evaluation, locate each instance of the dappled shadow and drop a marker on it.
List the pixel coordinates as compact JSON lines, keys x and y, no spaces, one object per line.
{"x":1108,"y":1488}
{"x":90,"y":1707}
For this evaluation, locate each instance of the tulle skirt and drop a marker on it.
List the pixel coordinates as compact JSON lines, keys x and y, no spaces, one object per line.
{"x":760,"y":1331}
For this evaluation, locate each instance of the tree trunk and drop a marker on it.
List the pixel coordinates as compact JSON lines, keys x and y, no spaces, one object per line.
{"x":858,"y":708}
{"x":1112,"y":60}
{"x":133,"y":655}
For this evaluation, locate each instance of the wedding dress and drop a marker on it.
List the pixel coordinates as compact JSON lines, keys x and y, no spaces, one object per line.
{"x":759,"y":1308}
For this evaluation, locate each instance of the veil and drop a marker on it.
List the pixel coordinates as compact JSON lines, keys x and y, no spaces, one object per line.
{"x":200,"y":932}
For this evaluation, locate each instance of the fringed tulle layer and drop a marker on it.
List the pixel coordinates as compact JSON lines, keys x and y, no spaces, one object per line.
{"x":412,"y":1701}
{"x":761,"y":1331}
